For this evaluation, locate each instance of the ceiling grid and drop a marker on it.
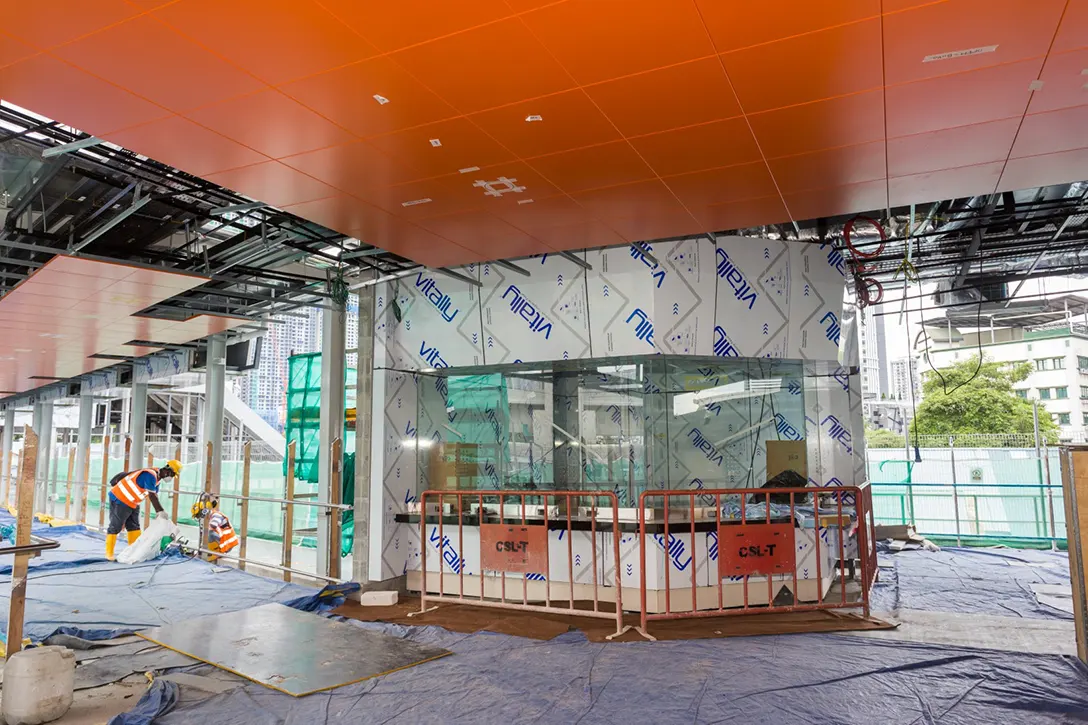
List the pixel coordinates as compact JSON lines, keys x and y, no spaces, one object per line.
{"x":657,"y":118}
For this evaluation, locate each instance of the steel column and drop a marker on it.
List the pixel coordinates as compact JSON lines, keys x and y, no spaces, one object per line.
{"x":5,"y":452}
{"x":44,"y":429}
{"x":214,"y":385}
{"x":364,"y":421}
{"x":138,"y":421}
{"x":333,"y":359}
{"x":83,"y":451}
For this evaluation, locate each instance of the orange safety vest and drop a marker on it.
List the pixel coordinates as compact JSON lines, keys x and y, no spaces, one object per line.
{"x":129,"y":492}
{"x":227,"y":538}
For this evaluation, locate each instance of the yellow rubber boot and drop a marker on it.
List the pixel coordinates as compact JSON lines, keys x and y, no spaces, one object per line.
{"x":111,"y":544}
{"x":132,"y":536}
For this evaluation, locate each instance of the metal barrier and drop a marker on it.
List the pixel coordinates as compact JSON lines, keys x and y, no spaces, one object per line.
{"x":517,"y":540}
{"x":766,"y":544}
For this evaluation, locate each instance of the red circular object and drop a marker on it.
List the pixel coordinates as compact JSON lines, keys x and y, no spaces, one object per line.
{"x":849,"y":227}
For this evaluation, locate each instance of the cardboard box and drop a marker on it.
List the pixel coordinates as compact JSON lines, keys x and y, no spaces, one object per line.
{"x":786,"y":456}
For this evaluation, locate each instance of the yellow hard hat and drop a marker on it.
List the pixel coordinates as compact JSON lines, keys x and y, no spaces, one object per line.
{"x":174,"y":466}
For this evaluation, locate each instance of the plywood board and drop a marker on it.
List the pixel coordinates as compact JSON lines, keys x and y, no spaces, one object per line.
{"x":290,"y":651}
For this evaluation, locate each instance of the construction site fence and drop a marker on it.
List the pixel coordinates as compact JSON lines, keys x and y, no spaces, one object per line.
{"x":516,"y":550}
{"x":731,"y":551}
{"x":266,"y":508}
{"x":972,"y":495}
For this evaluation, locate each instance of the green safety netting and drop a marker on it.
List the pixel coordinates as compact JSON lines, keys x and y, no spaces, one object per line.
{"x":303,"y":426}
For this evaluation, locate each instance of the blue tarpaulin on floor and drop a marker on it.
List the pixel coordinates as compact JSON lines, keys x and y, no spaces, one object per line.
{"x":970,"y":581}
{"x":74,"y":590}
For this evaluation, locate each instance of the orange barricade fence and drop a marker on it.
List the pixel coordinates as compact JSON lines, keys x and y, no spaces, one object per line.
{"x":538,"y":551}
{"x":715,"y":552}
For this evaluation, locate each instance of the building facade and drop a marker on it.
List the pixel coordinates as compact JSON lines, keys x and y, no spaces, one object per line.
{"x":903,"y":380}
{"x":1059,"y":378}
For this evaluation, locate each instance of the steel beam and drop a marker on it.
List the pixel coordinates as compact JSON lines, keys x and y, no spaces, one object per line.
{"x":67,"y":148}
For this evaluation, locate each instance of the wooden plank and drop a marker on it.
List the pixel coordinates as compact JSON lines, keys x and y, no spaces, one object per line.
{"x":68,"y":486}
{"x":24,"y":497}
{"x":289,"y":512}
{"x":105,"y":482}
{"x":335,"y":494}
{"x":243,"y":505}
{"x":1074,"y":463}
{"x":128,"y":452}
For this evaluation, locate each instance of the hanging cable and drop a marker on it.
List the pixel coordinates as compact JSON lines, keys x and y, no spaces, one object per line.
{"x":978,"y":336}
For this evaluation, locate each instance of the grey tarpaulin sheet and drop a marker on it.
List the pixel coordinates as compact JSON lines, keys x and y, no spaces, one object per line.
{"x":970,"y":581}
{"x":776,"y":680}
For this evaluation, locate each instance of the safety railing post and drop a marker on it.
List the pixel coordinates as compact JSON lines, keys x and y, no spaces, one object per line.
{"x":289,"y":513}
{"x":105,"y":482}
{"x":334,"y":516}
{"x":243,"y":506}
{"x":177,"y":486}
{"x":1050,"y":499}
{"x":955,"y":488}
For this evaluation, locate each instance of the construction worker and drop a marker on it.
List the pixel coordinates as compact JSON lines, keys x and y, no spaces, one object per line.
{"x":128,"y":492}
{"x":221,"y":536}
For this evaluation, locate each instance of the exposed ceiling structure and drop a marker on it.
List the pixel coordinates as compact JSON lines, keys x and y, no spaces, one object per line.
{"x":487,"y":129}
{"x":106,"y":256}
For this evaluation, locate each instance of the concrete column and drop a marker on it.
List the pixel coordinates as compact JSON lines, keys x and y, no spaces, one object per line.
{"x":138,"y":424}
{"x":44,"y":429}
{"x":364,"y":423}
{"x":83,"y":446}
{"x":5,"y":449}
{"x":333,"y":358}
{"x":214,"y":383}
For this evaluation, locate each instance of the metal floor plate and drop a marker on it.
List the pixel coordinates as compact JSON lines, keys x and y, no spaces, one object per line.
{"x":294,"y":652}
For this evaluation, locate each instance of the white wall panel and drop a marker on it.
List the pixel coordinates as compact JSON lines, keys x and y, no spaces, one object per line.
{"x":753,"y":298}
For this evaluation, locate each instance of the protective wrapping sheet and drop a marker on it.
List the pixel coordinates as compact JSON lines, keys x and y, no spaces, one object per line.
{"x":815,"y":678}
{"x":74,"y":590}
{"x":970,"y":581}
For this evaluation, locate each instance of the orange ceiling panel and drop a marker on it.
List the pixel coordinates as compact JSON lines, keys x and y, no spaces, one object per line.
{"x":656,"y":117}
{"x":487,"y":66}
{"x":672,"y":97}
{"x":833,"y":62}
{"x":1018,"y":29}
{"x":1045,"y":133}
{"x":696,"y":148}
{"x":185,"y":145}
{"x":831,"y":167}
{"x":569,"y":120}
{"x":839,"y":199}
{"x":276,"y":40}
{"x":591,"y":168}
{"x":271,"y":123}
{"x":1064,"y":82}
{"x":842,"y":121}
{"x":946,"y":184}
{"x":1057,"y":168}
{"x":596,"y":41}
{"x":73,"y":308}
{"x":385,"y":25}
{"x":462,"y":145}
{"x":1073,"y":31}
{"x":274,"y":183}
{"x":735,"y":25}
{"x":45,"y":26}
{"x":720,"y":186}
{"x":993,"y":93}
{"x":346,"y":96}
{"x":143,"y":51}
{"x":951,"y":147}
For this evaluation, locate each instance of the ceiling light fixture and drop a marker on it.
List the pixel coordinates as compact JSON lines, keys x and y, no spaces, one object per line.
{"x":382,"y":100}
{"x":435,"y":142}
{"x":960,"y":53}
{"x":415,"y":202}
{"x":525,"y":201}
{"x":534,"y":117}
{"x":1035,"y":85}
{"x":468,"y":169}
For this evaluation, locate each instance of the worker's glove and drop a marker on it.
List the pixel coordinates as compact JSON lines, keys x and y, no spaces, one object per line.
{"x":162,"y":515}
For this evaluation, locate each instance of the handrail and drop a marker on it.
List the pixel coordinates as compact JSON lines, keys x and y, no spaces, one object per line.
{"x":38,"y":546}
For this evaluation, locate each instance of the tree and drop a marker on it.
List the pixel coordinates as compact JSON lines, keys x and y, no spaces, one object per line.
{"x":974,"y":398}
{"x":882,"y":438}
